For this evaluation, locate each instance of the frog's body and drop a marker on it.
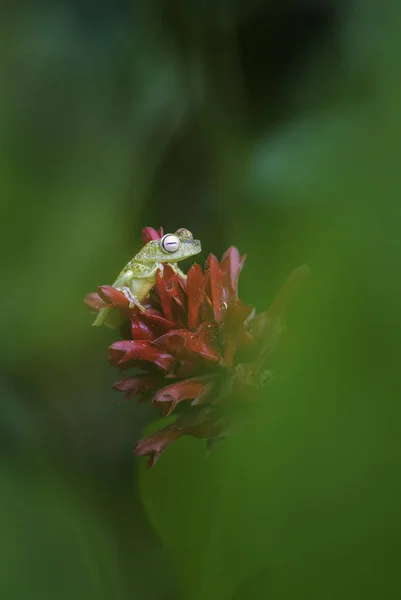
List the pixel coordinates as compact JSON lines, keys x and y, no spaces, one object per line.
{"x":139,"y":275}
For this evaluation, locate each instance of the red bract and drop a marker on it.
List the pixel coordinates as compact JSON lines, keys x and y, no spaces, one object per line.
{"x":199,"y":349}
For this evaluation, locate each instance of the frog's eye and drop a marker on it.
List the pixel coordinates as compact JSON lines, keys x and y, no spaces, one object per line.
{"x":170,"y":242}
{"x":184,"y":234}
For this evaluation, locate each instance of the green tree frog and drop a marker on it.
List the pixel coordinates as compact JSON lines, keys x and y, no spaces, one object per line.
{"x":139,"y":275}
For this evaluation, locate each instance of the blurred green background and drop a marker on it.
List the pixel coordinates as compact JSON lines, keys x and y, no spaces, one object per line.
{"x":274,"y":126}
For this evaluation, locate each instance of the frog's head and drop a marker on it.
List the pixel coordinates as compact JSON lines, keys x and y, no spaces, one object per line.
{"x":171,"y":248}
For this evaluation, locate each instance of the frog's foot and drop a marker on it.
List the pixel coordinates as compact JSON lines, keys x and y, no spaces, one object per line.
{"x":133,"y":300}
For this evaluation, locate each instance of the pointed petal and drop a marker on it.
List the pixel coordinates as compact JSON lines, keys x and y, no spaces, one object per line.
{"x":155,"y":444}
{"x":203,"y":422}
{"x":94,"y":301}
{"x":183,"y":283}
{"x":132,"y":386}
{"x":231,"y":264}
{"x":196,"y":290}
{"x":193,"y":351}
{"x":113,"y":297}
{"x":149,"y":325}
{"x":205,"y":394}
{"x":206,"y":309}
{"x":229,"y":351}
{"x":188,"y":389}
{"x":233,"y":333}
{"x":236,"y":315}
{"x":187,"y":344}
{"x":148,"y":234}
{"x":128,"y":353}
{"x":167,"y":287}
{"x":179,"y":308}
{"x":140,"y":330}
{"x":216,"y":286}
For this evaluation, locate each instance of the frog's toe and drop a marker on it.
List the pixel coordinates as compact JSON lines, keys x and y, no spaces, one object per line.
{"x":138,"y":305}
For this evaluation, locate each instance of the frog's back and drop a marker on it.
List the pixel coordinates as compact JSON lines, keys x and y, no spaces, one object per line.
{"x":133,"y":270}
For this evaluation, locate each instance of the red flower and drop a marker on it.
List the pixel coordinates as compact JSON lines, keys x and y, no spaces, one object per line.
{"x":201,"y":351}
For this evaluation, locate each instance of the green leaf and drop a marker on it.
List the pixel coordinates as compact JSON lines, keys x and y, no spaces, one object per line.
{"x":179,"y":495}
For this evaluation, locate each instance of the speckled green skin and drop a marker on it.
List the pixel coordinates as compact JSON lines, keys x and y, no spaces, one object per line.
{"x":139,"y":275}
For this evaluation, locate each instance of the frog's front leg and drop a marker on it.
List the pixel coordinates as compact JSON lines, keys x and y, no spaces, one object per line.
{"x":160,"y":268}
{"x":133,"y":300}
{"x":177,"y":270}
{"x":144,"y":278}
